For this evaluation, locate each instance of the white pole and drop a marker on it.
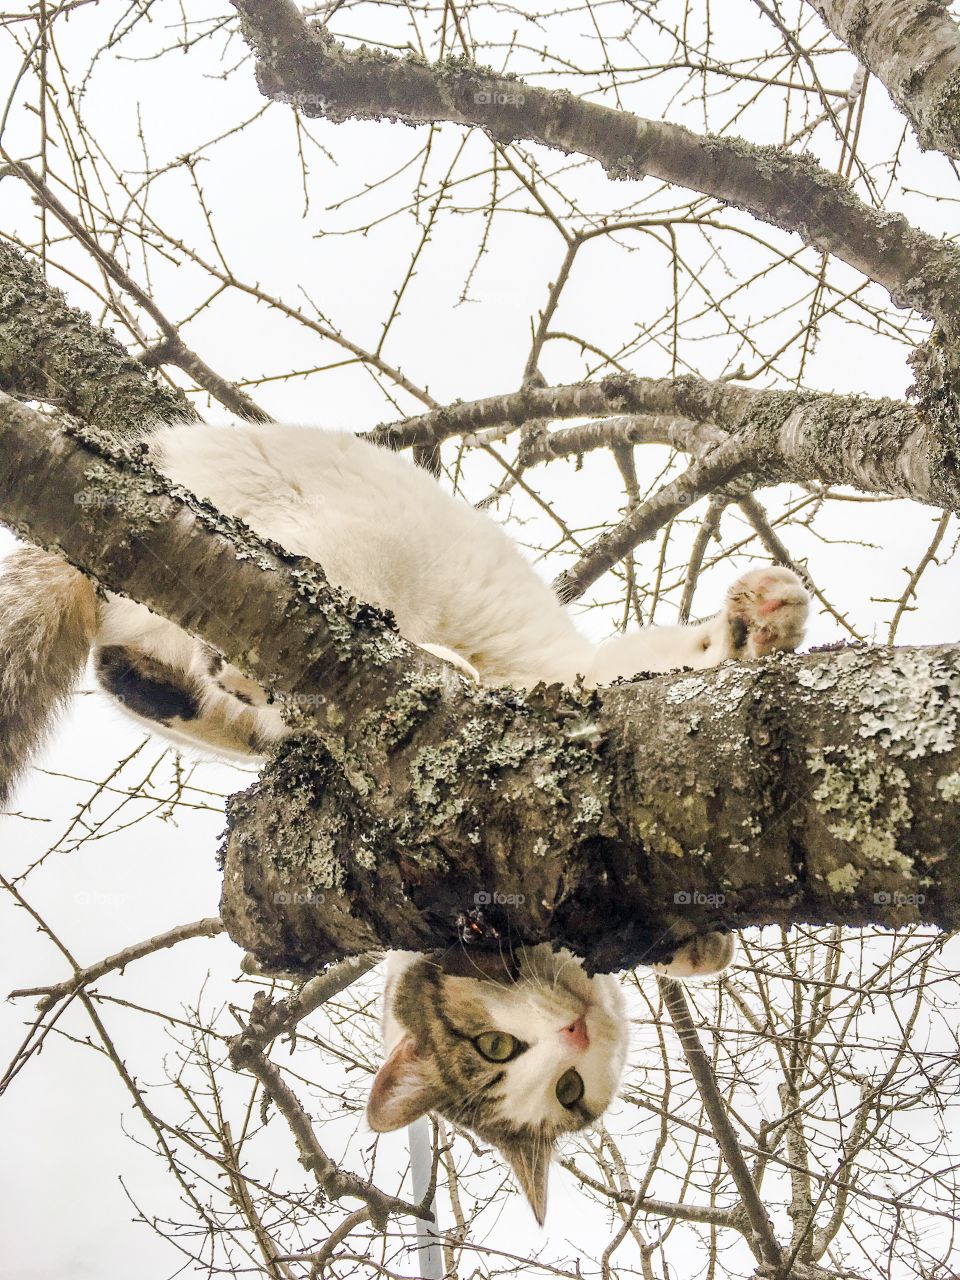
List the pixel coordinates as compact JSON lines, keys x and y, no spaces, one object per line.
{"x":420,"y":1140}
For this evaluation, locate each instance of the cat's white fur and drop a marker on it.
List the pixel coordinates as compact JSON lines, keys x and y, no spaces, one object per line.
{"x":389,"y":534}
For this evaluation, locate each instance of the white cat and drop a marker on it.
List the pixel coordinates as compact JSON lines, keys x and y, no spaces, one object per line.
{"x":387,"y":533}
{"x":521,"y":1054}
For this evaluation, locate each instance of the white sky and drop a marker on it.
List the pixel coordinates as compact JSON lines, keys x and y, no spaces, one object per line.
{"x":62,"y":1206}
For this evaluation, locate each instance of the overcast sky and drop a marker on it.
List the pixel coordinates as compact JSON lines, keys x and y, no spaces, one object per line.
{"x":68,"y":1128}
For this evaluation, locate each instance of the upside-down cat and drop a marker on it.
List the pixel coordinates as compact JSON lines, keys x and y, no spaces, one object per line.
{"x":521,"y":1057}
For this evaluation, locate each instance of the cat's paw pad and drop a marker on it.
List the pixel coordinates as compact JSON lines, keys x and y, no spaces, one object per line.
{"x":701,"y":956}
{"x":766,"y":612}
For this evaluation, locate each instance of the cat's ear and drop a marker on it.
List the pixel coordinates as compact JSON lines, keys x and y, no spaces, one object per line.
{"x":402,"y":1090}
{"x":530,"y":1162}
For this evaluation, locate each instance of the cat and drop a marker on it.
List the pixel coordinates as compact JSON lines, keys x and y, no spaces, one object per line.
{"x":523,"y":1048}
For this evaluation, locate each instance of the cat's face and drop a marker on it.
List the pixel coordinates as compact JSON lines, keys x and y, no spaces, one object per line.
{"x":519,"y":1057}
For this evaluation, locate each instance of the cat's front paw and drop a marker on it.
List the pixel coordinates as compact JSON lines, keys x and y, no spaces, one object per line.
{"x":701,"y":956}
{"x":766,"y":612}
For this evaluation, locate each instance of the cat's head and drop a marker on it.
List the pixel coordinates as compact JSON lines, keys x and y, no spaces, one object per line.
{"x":519,"y":1051}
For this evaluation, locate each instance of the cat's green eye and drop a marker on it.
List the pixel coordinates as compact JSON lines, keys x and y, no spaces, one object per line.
{"x":569,"y":1088}
{"x":497,"y":1046}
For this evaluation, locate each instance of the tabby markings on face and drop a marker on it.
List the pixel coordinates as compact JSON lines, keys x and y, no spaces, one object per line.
{"x":520,"y":1057}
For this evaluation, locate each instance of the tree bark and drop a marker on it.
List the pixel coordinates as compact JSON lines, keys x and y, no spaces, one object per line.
{"x":913,"y":48}
{"x":53,"y":352}
{"x":818,"y":789}
{"x":877,"y":446}
{"x":303,"y":65}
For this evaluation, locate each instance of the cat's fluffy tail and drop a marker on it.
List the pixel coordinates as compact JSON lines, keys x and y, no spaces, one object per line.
{"x":48,"y":619}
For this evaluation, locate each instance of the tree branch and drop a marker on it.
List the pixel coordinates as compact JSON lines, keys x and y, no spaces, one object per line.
{"x":301,"y":64}
{"x":716,"y":468}
{"x":818,"y":789}
{"x":51,"y":351}
{"x":209,"y":927}
{"x":171,"y":349}
{"x":247,"y":1055}
{"x":920,"y":67}
{"x":877,"y":446}
{"x":765,"y":1240}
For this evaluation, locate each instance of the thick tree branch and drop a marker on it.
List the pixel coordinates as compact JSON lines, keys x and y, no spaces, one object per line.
{"x":877,"y":446}
{"x":819,"y":789}
{"x":302,"y":64}
{"x":51,"y":351}
{"x":913,"y":48}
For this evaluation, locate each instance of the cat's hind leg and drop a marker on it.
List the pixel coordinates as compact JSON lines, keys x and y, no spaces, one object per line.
{"x":178,"y":686}
{"x":186,"y":705}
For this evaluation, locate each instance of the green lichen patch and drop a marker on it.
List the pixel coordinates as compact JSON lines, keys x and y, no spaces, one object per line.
{"x":864,"y":799}
{"x":844,"y":879}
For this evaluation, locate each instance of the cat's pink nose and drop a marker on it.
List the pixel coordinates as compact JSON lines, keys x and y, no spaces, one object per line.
{"x":576,"y":1035}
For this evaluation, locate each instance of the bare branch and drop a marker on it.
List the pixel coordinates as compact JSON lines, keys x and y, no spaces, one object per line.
{"x":302,"y":64}
{"x":206,"y":928}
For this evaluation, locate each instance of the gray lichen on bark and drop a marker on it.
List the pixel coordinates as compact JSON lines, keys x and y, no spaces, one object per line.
{"x":795,"y":789}
{"x":919,"y":65}
{"x":53,"y":352}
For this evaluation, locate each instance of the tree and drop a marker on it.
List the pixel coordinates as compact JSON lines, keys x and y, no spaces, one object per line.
{"x":815,"y":792}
